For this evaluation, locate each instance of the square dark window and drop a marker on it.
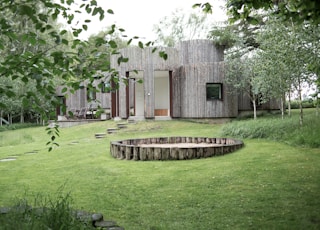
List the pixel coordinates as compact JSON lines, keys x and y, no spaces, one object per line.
{"x":214,"y":91}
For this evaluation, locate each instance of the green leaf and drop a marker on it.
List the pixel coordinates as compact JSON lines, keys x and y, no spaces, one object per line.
{"x":140,"y":44}
{"x":110,"y":11}
{"x":85,"y":27}
{"x":10,"y":93}
{"x":93,"y":3}
{"x":95,"y":11}
{"x":26,"y":10}
{"x":163,"y":55}
{"x":65,"y":41}
{"x":25,"y":79}
{"x":62,"y":32}
{"x":113,"y":44}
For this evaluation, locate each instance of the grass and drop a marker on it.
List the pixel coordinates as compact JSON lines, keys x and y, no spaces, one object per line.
{"x":265,"y":185}
{"x":274,"y":128}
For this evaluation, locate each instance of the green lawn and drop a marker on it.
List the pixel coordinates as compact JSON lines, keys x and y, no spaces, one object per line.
{"x":265,"y":185}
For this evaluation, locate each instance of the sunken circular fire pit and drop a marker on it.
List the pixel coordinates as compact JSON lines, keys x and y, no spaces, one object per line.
{"x":173,"y":148}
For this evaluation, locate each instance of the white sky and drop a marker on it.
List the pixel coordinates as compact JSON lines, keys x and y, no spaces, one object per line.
{"x":137,"y":17}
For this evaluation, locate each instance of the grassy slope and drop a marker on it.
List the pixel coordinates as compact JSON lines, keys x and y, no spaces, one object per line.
{"x":266,"y":185}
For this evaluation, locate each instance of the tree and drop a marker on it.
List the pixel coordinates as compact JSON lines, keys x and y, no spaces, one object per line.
{"x":20,"y":84}
{"x":289,"y":32}
{"x":288,"y":47}
{"x":181,"y":26}
{"x":297,"y":10}
{"x":243,"y":73}
{"x":56,"y":57}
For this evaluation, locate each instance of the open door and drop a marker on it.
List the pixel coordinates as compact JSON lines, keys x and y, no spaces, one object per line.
{"x":162,"y":93}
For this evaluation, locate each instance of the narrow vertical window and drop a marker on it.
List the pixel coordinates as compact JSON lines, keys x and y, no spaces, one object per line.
{"x":91,"y":94}
{"x":106,"y":87}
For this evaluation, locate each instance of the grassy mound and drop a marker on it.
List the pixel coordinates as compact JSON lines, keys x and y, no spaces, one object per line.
{"x":274,"y":128}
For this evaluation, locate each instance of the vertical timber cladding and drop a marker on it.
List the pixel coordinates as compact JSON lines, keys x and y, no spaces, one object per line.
{"x":169,"y":65}
{"x":147,"y":61}
{"x":135,"y":55}
{"x":202,"y":63}
{"x":148,"y":81}
{"x":177,"y":79}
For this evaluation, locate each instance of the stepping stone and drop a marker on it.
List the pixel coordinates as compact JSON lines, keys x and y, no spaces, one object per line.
{"x":122,"y":125}
{"x":105,"y":224}
{"x":97,"y":217}
{"x":111,"y":130}
{"x":131,"y":121}
{"x":100,"y":135}
{"x":8,"y":159}
{"x":31,"y":152}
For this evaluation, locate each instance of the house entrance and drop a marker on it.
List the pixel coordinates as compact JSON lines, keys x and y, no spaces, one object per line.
{"x":161,"y":93}
{"x":135,"y":98}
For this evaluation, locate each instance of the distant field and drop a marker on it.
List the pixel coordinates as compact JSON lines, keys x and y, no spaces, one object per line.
{"x":265,"y":185}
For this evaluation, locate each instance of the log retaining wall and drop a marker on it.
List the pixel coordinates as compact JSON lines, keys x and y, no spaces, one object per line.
{"x":159,"y":148}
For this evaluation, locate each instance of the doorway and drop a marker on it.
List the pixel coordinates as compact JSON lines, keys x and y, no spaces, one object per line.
{"x":162,"y":93}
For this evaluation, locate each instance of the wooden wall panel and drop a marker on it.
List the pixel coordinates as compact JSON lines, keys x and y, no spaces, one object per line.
{"x":148,"y":62}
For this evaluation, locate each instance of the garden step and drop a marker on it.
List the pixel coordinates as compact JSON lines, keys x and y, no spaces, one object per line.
{"x":100,"y":135}
{"x":111,"y":130}
{"x":131,"y":121}
{"x":122,"y":125}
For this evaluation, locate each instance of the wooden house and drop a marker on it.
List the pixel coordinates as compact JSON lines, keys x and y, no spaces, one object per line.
{"x":189,"y":84}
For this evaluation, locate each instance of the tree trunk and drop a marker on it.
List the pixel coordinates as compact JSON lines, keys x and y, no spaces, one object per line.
{"x":254,"y":109}
{"x":289,"y":104}
{"x":10,"y":118}
{"x":282,"y":105}
{"x":21,"y":116}
{"x":317,"y":107}
{"x":300,"y":105}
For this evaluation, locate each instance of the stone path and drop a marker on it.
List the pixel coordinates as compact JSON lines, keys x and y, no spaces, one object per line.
{"x":96,"y":219}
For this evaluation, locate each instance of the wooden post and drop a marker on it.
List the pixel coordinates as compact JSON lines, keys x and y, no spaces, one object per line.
{"x":157,"y":153}
{"x":128,"y":152}
{"x":165,"y":154}
{"x":174,"y":153}
{"x":150,"y":152}
{"x":143,"y":154}
{"x":136,"y":153}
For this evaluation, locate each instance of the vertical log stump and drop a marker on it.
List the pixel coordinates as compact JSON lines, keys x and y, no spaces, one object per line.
{"x":173,"y":148}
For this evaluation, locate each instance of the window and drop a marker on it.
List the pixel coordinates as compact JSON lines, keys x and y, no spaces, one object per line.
{"x":214,"y":91}
{"x":106,"y":87}
{"x":91,"y":94}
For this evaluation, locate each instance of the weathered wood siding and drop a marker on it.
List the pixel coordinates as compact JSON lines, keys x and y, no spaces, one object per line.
{"x":202,"y":63}
{"x":78,"y":99}
{"x":148,"y":62}
{"x":193,"y":64}
{"x":193,"y":101}
{"x":200,"y":50}
{"x":245,"y":104}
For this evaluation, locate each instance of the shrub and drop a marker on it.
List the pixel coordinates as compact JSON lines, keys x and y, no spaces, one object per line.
{"x":46,"y":213}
